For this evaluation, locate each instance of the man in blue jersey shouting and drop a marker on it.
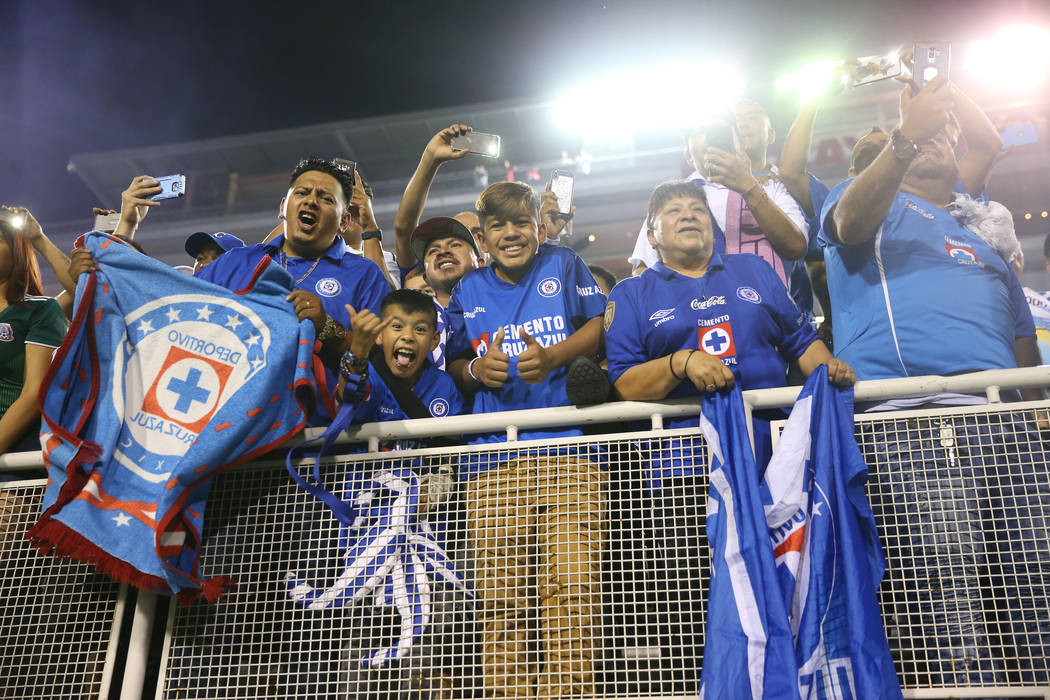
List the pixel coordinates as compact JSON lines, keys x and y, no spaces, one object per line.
{"x":534,"y":515}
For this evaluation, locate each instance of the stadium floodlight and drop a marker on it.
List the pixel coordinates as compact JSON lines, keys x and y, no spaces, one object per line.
{"x":1016,"y":59}
{"x":655,"y":98}
{"x":815,"y":79}
{"x":786,"y":82}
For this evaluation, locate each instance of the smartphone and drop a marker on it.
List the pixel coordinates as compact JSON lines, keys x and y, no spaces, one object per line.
{"x":11,"y":221}
{"x":720,"y":135}
{"x":171,"y":186}
{"x":1020,"y":134}
{"x":350,"y":165}
{"x":930,"y":60}
{"x":106,"y":223}
{"x":871,"y":69}
{"x":477,"y":142}
{"x":561,"y":185}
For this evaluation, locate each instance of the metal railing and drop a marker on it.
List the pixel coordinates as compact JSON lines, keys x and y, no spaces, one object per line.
{"x":626,"y":612}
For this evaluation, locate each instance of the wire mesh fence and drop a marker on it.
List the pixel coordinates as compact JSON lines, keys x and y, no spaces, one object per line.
{"x":56,"y":616}
{"x":575,"y":568}
{"x":962,"y":502}
{"x":586,"y":575}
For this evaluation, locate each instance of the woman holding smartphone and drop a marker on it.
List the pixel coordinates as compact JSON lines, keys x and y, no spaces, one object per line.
{"x":31,"y":327}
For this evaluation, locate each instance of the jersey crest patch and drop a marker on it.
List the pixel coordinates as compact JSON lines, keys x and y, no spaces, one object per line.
{"x":438,"y":408}
{"x":749,"y":294}
{"x":610,"y":313}
{"x":959,"y":252}
{"x":6,"y":334}
{"x":717,"y":340}
{"x":328,"y":287}
{"x":549,"y":287}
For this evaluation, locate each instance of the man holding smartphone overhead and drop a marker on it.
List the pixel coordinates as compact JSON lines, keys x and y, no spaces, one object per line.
{"x":915,"y":292}
{"x":445,"y":248}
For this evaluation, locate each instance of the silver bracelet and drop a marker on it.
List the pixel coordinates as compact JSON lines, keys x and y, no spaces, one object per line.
{"x":470,"y":370}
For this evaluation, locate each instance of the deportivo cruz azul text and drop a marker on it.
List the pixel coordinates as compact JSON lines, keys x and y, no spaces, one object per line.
{"x":204,"y":347}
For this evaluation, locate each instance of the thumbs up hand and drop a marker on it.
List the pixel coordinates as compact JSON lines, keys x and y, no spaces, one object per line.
{"x":535,"y":362}
{"x":491,"y":368}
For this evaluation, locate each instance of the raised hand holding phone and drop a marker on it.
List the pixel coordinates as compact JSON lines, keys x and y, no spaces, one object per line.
{"x":487,"y":145}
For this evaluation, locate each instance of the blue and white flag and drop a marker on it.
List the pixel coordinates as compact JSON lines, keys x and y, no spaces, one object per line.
{"x":748,"y":649}
{"x":163,"y":381}
{"x":828,"y":557}
{"x":395,"y":557}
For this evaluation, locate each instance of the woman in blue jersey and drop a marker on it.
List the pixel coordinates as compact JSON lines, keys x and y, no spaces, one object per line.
{"x":699,"y":321}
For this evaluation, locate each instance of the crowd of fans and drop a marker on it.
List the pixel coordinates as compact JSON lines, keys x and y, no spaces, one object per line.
{"x":913,"y":273}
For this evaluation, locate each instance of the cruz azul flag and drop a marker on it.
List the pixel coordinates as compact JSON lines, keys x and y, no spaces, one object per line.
{"x":828,"y":556}
{"x":748,"y":651}
{"x":163,"y":381}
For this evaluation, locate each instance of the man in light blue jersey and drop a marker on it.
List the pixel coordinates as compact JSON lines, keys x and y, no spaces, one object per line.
{"x":914,"y":292}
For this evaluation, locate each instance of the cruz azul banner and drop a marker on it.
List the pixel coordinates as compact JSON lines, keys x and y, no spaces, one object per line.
{"x":162,"y":382}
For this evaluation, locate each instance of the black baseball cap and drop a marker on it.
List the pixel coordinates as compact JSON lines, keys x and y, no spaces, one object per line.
{"x":226,"y":241}
{"x":440,"y":227}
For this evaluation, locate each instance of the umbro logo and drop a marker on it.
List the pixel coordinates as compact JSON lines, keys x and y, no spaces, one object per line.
{"x":662,"y":313}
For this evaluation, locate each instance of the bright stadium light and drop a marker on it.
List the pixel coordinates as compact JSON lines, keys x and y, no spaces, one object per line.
{"x":654,"y":98}
{"x":1017,"y":59}
{"x":815,"y":79}
{"x":786,"y":82}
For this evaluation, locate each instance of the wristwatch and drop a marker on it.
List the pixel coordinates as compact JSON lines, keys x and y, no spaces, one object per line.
{"x":903,"y":147}
{"x":374,"y":233}
{"x":351,"y":364}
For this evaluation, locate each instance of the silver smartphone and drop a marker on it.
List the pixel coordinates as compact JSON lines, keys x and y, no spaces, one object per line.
{"x":865,"y":70}
{"x":478,"y":142}
{"x":930,"y":60}
{"x":561,"y":185}
{"x":106,"y":223}
{"x":171,"y":186}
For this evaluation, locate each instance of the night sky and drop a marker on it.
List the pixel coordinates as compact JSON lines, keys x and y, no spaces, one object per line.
{"x":80,"y":77}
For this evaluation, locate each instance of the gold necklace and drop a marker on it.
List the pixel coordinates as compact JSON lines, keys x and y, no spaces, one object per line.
{"x":284,"y":264}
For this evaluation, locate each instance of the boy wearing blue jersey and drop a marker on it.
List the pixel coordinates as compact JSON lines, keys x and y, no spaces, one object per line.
{"x":387,"y":374}
{"x":379,"y":383}
{"x":534,"y":520}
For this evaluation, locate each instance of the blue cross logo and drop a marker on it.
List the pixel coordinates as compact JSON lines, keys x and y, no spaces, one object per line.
{"x":188,"y":390}
{"x":715,"y":341}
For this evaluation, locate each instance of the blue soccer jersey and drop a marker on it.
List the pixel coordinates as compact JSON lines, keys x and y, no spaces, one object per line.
{"x":801,"y":287}
{"x":551,"y":302}
{"x":338,"y":278}
{"x":739,"y":311}
{"x":435,"y":389}
{"x":923,"y":296}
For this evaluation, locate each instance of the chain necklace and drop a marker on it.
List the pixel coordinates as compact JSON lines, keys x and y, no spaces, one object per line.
{"x":284,"y":264}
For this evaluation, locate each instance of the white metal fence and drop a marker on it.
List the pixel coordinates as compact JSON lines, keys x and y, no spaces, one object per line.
{"x":58,"y":619}
{"x":583,"y":580}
